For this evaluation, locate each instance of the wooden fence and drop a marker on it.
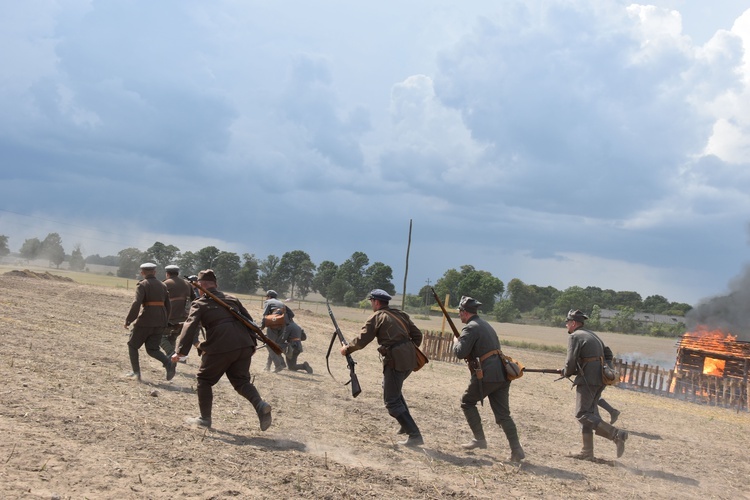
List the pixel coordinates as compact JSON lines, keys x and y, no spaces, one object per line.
{"x":728,"y":392}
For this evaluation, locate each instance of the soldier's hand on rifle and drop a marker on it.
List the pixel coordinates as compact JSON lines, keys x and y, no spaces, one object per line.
{"x":343,"y":350}
{"x":177,"y":357}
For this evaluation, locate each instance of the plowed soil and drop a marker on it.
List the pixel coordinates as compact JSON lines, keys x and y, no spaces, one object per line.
{"x":74,"y":427}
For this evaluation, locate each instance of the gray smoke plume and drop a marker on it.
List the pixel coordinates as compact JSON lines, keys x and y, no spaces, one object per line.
{"x":729,"y":313}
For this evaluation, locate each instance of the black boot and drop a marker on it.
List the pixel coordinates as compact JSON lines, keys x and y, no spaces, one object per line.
{"x":135,"y":363}
{"x":587,"y":452}
{"x":263,"y":409}
{"x":511,"y":432}
{"x":205,"y":404}
{"x":407,"y":422}
{"x":475,"y":424}
{"x":613,"y":434}
{"x":613,"y":413}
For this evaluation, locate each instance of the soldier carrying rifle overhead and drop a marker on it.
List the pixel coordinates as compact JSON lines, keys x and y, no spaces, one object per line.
{"x":479,"y":340}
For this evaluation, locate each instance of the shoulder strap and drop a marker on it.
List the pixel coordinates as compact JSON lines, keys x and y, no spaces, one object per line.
{"x":399,"y":320}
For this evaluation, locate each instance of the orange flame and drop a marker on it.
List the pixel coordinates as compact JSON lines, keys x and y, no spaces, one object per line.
{"x":714,"y":367}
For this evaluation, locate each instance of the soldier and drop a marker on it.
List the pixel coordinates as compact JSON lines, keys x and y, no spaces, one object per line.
{"x":397,"y":335}
{"x":150,"y":312}
{"x":273,"y":306}
{"x":584,"y":360}
{"x":292,"y":344}
{"x":228,"y":349}
{"x":180,"y":296}
{"x":479,"y":340}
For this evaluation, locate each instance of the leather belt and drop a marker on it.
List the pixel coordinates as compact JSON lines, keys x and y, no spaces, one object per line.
{"x":491,"y":353}
{"x":153,"y":303}
{"x":593,"y":358}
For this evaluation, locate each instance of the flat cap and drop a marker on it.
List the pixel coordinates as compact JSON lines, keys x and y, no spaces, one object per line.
{"x":272,"y":294}
{"x":469,"y":304}
{"x":172,"y":268}
{"x":148,"y":266}
{"x":576,"y":315}
{"x":380,"y":295}
{"x":207,"y":275}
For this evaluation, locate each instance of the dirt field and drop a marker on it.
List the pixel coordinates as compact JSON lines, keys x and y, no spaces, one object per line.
{"x":74,"y":427}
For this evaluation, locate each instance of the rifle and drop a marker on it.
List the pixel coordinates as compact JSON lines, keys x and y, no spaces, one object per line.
{"x":543,"y":370}
{"x":356,"y":389}
{"x":473,"y":364}
{"x":255,"y":330}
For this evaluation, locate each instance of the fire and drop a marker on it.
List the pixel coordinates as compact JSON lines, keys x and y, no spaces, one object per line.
{"x":714,"y":367}
{"x":705,"y":334}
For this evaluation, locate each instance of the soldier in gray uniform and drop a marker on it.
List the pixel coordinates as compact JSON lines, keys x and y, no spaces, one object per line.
{"x":228,"y":349}
{"x":397,"y":335}
{"x":292,"y":345}
{"x":586,"y":352}
{"x":274,"y":306}
{"x":180,"y":296}
{"x":479,"y":340}
{"x":149,"y":314}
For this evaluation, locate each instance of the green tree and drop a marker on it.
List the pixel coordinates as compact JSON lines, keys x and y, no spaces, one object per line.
{"x":324,"y":277}
{"x":297,"y":270}
{"x":247,"y":277}
{"x":76,"y":259}
{"x":206,"y":257}
{"x":130,"y":262}
{"x":30,"y":249}
{"x":338,"y":290}
{"x":188,"y":263}
{"x":504,"y":311}
{"x":52,"y":249}
{"x":352,"y":272}
{"x":162,"y":255}
{"x":379,"y":275}
{"x":522,"y":296}
{"x":425,"y":296}
{"x":227,"y":267}
{"x":4,"y":250}
{"x":655,"y":304}
{"x":623,"y":321}
{"x":481,"y":285}
{"x":269,"y":278}
{"x":448,"y":285}
{"x":632,"y":300}
{"x":573,"y":297}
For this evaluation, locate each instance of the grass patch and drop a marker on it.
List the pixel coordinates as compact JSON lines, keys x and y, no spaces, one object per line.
{"x":536,"y":347}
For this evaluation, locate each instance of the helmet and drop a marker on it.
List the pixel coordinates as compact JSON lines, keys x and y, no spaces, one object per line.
{"x":272,"y":294}
{"x":576,"y":315}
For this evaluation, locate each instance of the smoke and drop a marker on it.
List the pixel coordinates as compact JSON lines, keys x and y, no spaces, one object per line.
{"x":729,"y":313}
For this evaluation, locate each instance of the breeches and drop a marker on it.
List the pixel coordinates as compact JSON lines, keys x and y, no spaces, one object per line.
{"x":393,"y":383}
{"x":587,"y":410}
{"x":235,"y":364}
{"x":497,"y":393}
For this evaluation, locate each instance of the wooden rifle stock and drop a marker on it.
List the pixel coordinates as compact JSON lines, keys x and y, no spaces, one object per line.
{"x":356,"y":388}
{"x":473,"y":364}
{"x":544,"y":370}
{"x":255,"y":329}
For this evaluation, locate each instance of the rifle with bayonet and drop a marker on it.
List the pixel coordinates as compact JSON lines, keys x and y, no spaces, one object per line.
{"x":473,"y":364}
{"x":255,"y":330}
{"x":356,"y":389}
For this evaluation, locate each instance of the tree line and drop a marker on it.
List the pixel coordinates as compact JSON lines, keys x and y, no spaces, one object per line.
{"x":294,"y":275}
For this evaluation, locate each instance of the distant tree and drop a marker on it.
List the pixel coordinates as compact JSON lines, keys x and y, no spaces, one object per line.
{"x":30,"y":249}
{"x":481,"y":285}
{"x":188,"y":263}
{"x":109,"y":260}
{"x":270,"y":278}
{"x":247,"y":277}
{"x":297,"y":270}
{"x":631,"y":300}
{"x":623,"y":321}
{"x":573,"y":297}
{"x":426,"y":297}
{"x":206,"y":257}
{"x":352,"y":271}
{"x":76,"y":259}
{"x":52,"y":249}
{"x":324,"y":277}
{"x":339,"y":291}
{"x":162,"y":255}
{"x":227,"y":266}
{"x":130,"y":262}
{"x":379,"y":275}
{"x":4,"y":250}
{"x":448,"y":284}
{"x":522,"y":296}
{"x":678,"y":309}
{"x":655,"y":304}
{"x":505,"y":312}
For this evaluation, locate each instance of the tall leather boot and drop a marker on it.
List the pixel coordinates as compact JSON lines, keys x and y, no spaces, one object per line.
{"x":407,"y":422}
{"x":475,"y":424}
{"x":613,"y":434}
{"x":205,"y":404}
{"x":613,"y":412}
{"x":511,"y":432}
{"x":587,"y":452}
{"x":135,"y":363}
{"x":263,"y":409}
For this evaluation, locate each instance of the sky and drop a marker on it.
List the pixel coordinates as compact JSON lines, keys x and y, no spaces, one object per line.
{"x":560,"y":142}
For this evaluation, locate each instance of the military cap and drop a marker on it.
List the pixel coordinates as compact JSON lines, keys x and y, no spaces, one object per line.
{"x":207,"y":275}
{"x":469,"y":304}
{"x":380,"y":295}
{"x":272,"y":294}
{"x":172,"y":268}
{"x":148,"y":266}
{"x":576,"y":315}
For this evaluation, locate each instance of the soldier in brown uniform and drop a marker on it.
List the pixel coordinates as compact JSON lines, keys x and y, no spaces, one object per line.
{"x":586,"y":352}
{"x":150,"y":312}
{"x":479,"y":340}
{"x":228,"y":349}
{"x":180,"y":295}
{"x":397,"y":335}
